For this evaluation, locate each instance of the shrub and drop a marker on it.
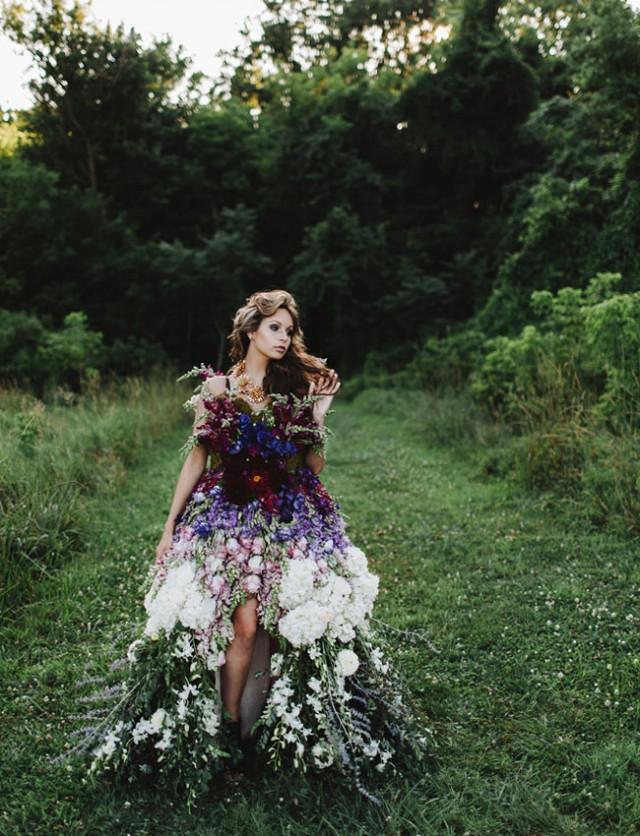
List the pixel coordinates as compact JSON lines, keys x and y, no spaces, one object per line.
{"x":21,"y":337}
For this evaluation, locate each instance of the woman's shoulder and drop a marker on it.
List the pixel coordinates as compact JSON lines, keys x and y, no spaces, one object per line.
{"x":208,"y":382}
{"x":215,"y":384}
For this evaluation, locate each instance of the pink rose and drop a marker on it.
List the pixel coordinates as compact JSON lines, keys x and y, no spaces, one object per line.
{"x":257,"y":547}
{"x":255,"y":564}
{"x":246,"y":543}
{"x":298,"y":555}
{"x":252,"y":584}
{"x":216,"y":585}
{"x":233,"y":547}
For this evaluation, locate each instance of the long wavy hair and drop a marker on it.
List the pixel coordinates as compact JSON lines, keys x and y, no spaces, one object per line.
{"x":297,"y":368}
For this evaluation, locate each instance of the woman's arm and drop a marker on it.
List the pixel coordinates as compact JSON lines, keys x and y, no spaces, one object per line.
{"x":191,"y":471}
{"x":326,"y":387}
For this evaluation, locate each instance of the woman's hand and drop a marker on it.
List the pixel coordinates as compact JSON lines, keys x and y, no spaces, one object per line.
{"x":327,"y":387}
{"x":164,"y":545}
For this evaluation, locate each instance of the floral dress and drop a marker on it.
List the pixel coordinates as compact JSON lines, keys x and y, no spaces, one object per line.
{"x":320,"y":694}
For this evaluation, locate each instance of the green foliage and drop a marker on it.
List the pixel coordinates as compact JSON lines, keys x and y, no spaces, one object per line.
{"x":574,"y":213}
{"x":53,"y":458}
{"x":398,"y":181}
{"x":570,"y":385}
{"x":531,"y":692}
{"x":74,"y":350}
{"x":448,"y":361}
{"x":21,"y":337}
{"x":585,"y":350}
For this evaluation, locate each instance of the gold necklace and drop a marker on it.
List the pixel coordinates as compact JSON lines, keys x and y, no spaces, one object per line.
{"x":253,"y":391}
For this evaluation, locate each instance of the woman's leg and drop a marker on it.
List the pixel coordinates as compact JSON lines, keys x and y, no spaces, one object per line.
{"x":233,"y":674}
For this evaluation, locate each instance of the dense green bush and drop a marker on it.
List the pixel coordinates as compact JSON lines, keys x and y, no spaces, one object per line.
{"x":45,"y":358}
{"x":583,"y":352}
{"x":570,"y":386}
{"x":448,"y":361}
{"x":53,"y":457}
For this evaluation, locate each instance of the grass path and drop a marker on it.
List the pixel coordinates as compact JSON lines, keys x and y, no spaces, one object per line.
{"x":532,"y":695}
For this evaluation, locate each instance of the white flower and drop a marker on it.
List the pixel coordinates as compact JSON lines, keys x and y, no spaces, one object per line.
{"x":305,"y":624}
{"x":133,"y":647}
{"x":184,"y":647}
{"x":212,"y":564}
{"x":276,"y":664}
{"x":157,"y":719}
{"x":297,"y":583}
{"x":178,"y":598}
{"x":189,"y":690}
{"x":210,"y":716}
{"x":322,"y":755}
{"x":355,"y":560}
{"x":215,"y":661}
{"x":314,"y":684}
{"x":347,"y":663}
{"x":255,"y":563}
{"x":377,"y":660}
{"x":252,"y":583}
{"x":233,"y":546}
{"x":141,"y":731}
{"x":111,"y":741}
{"x":165,"y":740}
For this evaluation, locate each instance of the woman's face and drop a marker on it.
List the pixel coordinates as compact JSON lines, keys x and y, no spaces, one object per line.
{"x":273,"y":336}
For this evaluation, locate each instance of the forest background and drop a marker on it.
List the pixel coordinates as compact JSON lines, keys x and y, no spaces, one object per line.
{"x":451,"y":190}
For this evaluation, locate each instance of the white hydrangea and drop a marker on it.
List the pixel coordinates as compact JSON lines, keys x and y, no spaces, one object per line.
{"x":327,"y":603}
{"x":297,"y":583}
{"x":178,"y":598}
{"x":305,"y":624}
{"x":355,"y":561}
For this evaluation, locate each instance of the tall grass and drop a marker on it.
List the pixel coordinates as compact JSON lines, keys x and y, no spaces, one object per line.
{"x":54,"y":456}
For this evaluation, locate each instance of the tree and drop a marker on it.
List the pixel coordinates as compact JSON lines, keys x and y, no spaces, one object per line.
{"x":578,"y":214}
{"x":103,"y":116}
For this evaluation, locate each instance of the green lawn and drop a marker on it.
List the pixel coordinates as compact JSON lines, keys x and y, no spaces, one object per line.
{"x":530,"y":687}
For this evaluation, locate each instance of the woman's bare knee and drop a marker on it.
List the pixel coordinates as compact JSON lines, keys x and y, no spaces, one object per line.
{"x":245,"y":620}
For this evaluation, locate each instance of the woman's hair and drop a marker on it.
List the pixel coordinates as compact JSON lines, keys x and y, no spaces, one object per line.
{"x":294,"y":371}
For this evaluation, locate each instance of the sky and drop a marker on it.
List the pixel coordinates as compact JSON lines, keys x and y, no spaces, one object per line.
{"x":203,"y":27}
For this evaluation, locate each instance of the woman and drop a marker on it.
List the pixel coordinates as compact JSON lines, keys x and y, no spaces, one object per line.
{"x":258,"y":612}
